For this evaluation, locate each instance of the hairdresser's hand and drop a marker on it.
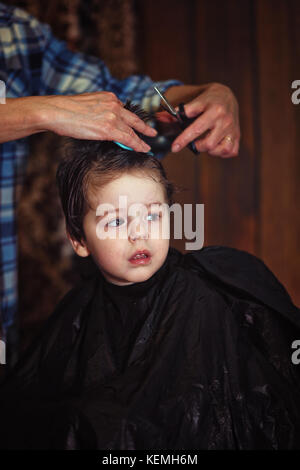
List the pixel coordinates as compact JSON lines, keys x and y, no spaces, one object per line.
{"x":97,"y":116}
{"x":217,"y":129}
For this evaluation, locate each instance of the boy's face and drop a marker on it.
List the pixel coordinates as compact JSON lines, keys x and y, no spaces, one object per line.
{"x":132,"y":225}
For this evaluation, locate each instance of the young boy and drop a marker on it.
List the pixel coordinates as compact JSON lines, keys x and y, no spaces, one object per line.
{"x":156,"y":349}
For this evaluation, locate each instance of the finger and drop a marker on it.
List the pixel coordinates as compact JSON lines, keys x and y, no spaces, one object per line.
{"x":235,"y":150}
{"x":136,"y":123}
{"x":220,"y":139}
{"x":226,"y":149}
{"x":111,"y":126}
{"x":228,"y":144}
{"x":211,"y":140}
{"x":129,"y":138}
{"x":191,"y":133}
{"x":194,"y":107}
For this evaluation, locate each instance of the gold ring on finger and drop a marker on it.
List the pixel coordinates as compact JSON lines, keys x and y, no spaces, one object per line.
{"x":228,"y":138}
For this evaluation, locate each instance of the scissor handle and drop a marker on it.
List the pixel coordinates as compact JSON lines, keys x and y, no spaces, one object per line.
{"x":185,"y":122}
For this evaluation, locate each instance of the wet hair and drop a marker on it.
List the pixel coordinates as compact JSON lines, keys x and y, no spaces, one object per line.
{"x":91,"y":164}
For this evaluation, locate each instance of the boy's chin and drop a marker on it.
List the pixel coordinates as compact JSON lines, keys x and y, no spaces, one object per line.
{"x":127,"y":280}
{"x":143,"y":273}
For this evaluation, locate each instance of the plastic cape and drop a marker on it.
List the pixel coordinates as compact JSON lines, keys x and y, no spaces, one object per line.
{"x":196,"y":357}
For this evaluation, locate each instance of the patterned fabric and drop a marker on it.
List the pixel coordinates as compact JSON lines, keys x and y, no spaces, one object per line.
{"x":34,"y":62}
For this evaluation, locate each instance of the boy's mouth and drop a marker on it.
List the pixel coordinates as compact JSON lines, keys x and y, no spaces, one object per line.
{"x":140,"y":257}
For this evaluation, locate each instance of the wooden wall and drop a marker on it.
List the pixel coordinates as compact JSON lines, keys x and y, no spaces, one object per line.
{"x":253,"y":46}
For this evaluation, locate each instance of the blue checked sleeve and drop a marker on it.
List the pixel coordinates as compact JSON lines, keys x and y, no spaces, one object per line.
{"x":67,"y":72}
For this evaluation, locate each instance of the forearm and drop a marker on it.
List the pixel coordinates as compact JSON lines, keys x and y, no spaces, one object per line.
{"x":184,"y":93}
{"x":21,"y":117}
{"x":95,"y":116}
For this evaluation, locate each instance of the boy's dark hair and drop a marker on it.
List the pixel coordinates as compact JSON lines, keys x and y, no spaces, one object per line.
{"x":89,"y":164}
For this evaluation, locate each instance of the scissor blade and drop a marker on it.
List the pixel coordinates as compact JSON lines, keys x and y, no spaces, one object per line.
{"x":165,"y":101}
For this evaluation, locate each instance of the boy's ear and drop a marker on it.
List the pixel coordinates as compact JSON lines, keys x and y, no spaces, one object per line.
{"x":80,"y":248}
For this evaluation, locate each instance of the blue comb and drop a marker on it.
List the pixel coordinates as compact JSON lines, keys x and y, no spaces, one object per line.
{"x":129,"y":148}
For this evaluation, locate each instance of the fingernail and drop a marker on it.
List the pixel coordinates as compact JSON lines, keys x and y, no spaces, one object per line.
{"x":153,"y":131}
{"x":176,"y":147}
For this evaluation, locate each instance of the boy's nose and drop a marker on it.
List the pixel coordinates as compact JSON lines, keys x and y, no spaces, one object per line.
{"x":138,"y":231}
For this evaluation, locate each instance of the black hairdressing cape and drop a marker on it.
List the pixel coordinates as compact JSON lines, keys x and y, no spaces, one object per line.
{"x":196,"y":357}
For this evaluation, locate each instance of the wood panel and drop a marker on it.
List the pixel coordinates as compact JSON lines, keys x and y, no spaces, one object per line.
{"x":278,"y":40}
{"x":225,"y":53}
{"x":164,"y":39}
{"x":253,"y":46}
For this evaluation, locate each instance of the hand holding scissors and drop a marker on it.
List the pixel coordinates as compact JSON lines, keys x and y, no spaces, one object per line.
{"x":180,"y":115}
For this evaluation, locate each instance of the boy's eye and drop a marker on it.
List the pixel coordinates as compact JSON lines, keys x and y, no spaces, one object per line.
{"x":116,"y":222}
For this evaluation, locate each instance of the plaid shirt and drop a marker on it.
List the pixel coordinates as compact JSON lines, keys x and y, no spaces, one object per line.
{"x":34,"y":62}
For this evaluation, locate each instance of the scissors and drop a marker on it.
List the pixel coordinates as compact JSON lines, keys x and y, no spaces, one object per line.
{"x":181,"y":117}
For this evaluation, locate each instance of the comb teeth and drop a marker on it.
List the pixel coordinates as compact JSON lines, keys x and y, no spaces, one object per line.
{"x":129,"y":148}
